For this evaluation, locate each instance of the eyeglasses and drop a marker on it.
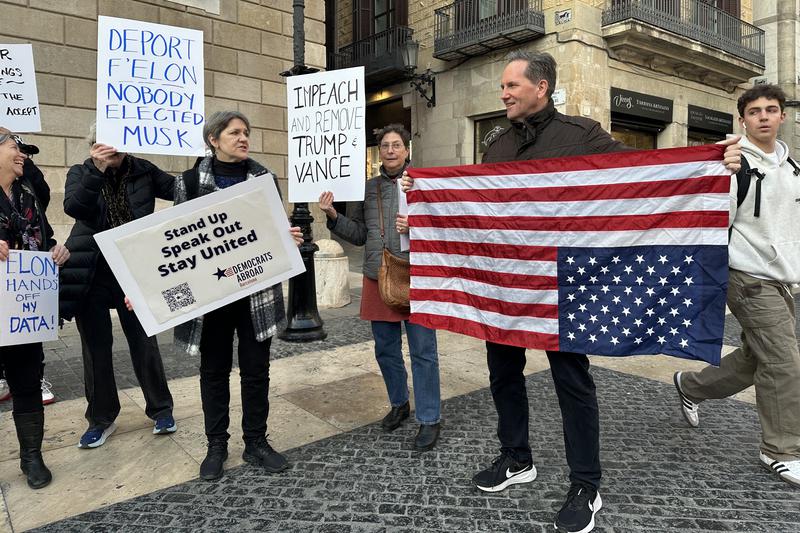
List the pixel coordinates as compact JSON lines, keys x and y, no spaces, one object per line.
{"x":5,"y":136}
{"x":394,"y":146}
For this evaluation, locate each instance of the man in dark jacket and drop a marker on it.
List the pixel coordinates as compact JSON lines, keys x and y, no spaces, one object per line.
{"x":110,"y":189}
{"x":539,"y":131}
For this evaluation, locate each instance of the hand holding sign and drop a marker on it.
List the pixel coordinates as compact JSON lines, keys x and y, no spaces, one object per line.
{"x":104,"y":156}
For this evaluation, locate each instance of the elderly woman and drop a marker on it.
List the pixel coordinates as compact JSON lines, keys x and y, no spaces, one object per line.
{"x":362,"y":226}
{"x":108,"y":190}
{"x":23,"y":226}
{"x":255,"y":319}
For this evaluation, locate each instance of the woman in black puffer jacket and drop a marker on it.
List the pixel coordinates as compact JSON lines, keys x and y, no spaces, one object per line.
{"x":110,"y":189}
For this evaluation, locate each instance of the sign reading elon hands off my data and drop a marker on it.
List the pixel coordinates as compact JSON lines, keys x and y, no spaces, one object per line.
{"x":182,"y":262}
{"x":150,"y":91}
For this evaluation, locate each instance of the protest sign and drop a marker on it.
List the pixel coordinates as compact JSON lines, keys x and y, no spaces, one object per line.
{"x":19,"y":101}
{"x":150,"y":87}
{"x":182,"y":262}
{"x":326,"y":135}
{"x":28,"y":298}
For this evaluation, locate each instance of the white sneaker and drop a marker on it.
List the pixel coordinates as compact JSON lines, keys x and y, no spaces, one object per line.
{"x":688,"y":407}
{"x":5,"y":392}
{"x":789,"y":471}
{"x":47,"y":393}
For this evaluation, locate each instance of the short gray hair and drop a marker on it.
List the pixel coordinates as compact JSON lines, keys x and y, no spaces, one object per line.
{"x":91,"y":137}
{"x":541,"y":66}
{"x":216,"y":124}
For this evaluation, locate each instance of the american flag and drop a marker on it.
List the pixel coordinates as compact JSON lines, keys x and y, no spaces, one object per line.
{"x":612,"y":254}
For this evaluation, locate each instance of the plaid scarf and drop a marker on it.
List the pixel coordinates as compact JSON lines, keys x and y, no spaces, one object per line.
{"x":266,"y":307}
{"x":20,"y":218}
{"x":115,"y":194}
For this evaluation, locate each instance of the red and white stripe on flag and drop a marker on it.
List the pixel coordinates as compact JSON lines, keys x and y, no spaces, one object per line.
{"x":485,"y":238}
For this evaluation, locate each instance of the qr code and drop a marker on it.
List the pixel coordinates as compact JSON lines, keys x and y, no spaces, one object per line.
{"x":178,"y":297}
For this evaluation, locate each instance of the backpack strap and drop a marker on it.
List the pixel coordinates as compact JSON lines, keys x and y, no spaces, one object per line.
{"x":742,"y":181}
{"x":794,"y":166}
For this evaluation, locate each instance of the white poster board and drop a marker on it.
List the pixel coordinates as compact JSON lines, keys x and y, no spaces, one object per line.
{"x":327,"y":150}
{"x":28,"y":298}
{"x":19,"y":101}
{"x":182,"y":262}
{"x":150,"y":87}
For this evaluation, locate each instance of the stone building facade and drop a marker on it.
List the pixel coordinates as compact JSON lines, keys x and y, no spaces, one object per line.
{"x":247,"y":44}
{"x":657,"y":73}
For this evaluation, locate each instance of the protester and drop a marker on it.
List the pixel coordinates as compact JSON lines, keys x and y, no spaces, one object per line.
{"x":362,"y":227}
{"x":539,"y":131}
{"x":24,"y":226}
{"x":254,"y":319}
{"x":764,"y":261}
{"x":108,"y":190}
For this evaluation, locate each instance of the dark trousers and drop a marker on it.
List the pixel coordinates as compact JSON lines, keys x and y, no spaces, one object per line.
{"x":577,"y":399}
{"x":22,"y":366}
{"x":216,"y":361}
{"x":94,"y":326}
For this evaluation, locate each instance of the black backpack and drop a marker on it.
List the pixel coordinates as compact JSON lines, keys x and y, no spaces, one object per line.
{"x":744,"y":177}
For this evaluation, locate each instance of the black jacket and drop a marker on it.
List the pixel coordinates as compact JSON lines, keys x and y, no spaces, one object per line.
{"x":547,"y":134}
{"x":6,"y":211}
{"x":83,"y":201}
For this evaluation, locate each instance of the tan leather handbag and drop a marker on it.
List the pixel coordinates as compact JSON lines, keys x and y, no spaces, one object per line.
{"x":394,"y":276}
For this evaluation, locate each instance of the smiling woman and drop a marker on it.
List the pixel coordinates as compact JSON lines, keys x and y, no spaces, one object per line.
{"x":23,"y":226}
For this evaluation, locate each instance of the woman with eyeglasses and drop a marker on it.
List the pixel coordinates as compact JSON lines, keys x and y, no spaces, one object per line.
{"x":362,"y":226}
{"x":24,"y":226}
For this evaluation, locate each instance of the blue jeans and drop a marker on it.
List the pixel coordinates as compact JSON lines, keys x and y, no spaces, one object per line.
{"x":424,"y":367}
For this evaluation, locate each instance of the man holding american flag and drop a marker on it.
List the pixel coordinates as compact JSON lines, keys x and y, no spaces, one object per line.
{"x":539,"y":131}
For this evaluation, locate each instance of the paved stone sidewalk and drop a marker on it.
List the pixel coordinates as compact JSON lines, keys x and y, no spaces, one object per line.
{"x":659,"y":475}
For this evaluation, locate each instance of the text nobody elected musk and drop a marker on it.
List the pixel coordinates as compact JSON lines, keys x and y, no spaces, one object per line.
{"x":322,"y":137}
{"x":152,"y":87}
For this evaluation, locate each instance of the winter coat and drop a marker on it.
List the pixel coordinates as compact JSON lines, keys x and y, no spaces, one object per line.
{"x":361,"y":225}
{"x":83,"y":201}
{"x":767,"y":246}
{"x":267,"y":309}
{"x":547,"y":134}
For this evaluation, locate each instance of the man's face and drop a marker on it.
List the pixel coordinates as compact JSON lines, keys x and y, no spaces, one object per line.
{"x":761,"y":120}
{"x":521,"y":96}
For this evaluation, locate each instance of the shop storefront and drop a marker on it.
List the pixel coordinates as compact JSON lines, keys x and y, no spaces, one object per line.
{"x":707,"y":126}
{"x":637,"y":119}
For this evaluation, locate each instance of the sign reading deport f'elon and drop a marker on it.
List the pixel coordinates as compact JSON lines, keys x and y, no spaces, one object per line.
{"x":150,"y":87}
{"x":326,"y":137}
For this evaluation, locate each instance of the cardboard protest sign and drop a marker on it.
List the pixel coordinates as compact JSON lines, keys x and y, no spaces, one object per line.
{"x":150,"y":87}
{"x":19,"y":101}
{"x":28,"y":298}
{"x":326,"y":135}
{"x":182,"y":262}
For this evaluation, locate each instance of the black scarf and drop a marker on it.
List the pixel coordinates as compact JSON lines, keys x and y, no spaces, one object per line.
{"x":21,"y":218}
{"x":394,"y":176}
{"x":528,"y":130}
{"x":115,"y":194}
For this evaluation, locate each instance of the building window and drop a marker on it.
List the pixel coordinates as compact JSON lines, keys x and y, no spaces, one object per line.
{"x":384,"y":15}
{"x":639,"y":139}
{"x":485,"y":131}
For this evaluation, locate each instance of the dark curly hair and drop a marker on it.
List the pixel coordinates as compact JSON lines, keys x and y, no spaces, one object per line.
{"x":393,"y":128}
{"x":766,"y":90}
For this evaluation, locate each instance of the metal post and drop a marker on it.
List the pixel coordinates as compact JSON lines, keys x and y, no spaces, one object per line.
{"x":304,"y":322}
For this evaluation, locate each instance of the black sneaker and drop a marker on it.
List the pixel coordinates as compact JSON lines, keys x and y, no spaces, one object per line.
{"x":577,"y":513}
{"x":259,"y":452}
{"x":211,"y":467}
{"x":504,"y":471}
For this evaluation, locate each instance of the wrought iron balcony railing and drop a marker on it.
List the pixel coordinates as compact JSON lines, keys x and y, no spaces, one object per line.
{"x":380,"y":54}
{"x":694,"y":20}
{"x":468,"y":28}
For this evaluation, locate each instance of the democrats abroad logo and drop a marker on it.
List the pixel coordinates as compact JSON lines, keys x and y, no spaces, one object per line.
{"x":247,"y":272}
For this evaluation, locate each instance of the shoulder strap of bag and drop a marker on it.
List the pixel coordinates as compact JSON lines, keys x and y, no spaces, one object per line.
{"x":742,"y":181}
{"x":380,"y":210}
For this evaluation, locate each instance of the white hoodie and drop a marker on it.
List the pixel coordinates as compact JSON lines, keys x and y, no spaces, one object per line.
{"x":767,"y":247}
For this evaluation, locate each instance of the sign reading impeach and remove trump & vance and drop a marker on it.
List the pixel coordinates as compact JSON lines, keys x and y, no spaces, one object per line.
{"x":149,"y":87}
{"x":185,"y":261}
{"x":28,"y":298}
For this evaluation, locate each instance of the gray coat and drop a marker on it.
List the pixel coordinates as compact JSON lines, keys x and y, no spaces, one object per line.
{"x":361,"y":225}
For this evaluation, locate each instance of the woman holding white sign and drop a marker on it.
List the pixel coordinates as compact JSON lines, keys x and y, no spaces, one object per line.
{"x":23,"y":226}
{"x":375,"y":224}
{"x":255,"y":319}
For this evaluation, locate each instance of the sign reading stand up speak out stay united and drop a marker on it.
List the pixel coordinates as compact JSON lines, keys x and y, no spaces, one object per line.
{"x":150,"y":87}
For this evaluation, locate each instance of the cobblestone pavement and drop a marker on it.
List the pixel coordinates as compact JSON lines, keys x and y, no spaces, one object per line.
{"x":659,"y":475}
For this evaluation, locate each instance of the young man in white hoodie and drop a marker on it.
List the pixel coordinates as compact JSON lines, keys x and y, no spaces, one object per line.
{"x":764,"y":262}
